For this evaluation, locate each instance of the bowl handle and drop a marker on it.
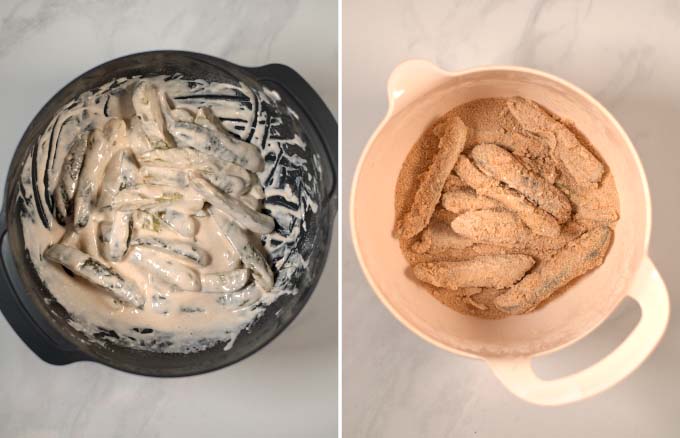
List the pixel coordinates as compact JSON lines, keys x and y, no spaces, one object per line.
{"x":410,"y":80}
{"x":651,"y":294}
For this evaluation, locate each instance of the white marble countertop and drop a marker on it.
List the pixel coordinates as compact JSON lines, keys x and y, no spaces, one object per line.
{"x":625,"y":53}
{"x":287,"y":389}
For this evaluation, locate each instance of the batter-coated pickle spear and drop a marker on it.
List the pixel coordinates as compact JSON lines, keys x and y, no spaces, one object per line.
{"x":70,"y":170}
{"x":224,"y":282}
{"x":250,"y":256}
{"x":188,"y":251}
{"x":175,"y":273}
{"x":96,"y":157}
{"x":96,"y":273}
{"x":116,"y":235}
{"x":234,"y":208}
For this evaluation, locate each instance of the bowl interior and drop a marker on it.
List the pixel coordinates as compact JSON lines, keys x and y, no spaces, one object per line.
{"x":567,"y":318}
{"x":314,"y":226}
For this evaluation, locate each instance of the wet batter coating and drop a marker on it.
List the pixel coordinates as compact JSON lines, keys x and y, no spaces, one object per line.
{"x":82,"y":265}
{"x":528,"y":208}
{"x":133,"y":172}
{"x":450,"y":146}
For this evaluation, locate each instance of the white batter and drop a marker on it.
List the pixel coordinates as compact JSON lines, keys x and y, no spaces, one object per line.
{"x":202,"y":289}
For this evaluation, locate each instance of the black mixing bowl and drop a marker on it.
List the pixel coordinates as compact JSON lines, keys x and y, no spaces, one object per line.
{"x":42,"y":323}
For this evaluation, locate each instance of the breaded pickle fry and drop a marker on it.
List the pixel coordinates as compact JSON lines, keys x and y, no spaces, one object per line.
{"x":431,"y":184}
{"x":453,"y":182}
{"x":577,"y":258}
{"x":593,"y":205}
{"x":491,"y":226}
{"x":515,"y":142}
{"x":471,"y":302}
{"x":439,"y":237}
{"x":579,"y":161}
{"x":460,"y":201}
{"x":497,"y":271}
{"x":536,"y":219}
{"x":541,"y":166}
{"x":502,"y":165}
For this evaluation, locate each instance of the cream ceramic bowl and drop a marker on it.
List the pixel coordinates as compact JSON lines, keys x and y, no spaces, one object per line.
{"x":419,"y":93}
